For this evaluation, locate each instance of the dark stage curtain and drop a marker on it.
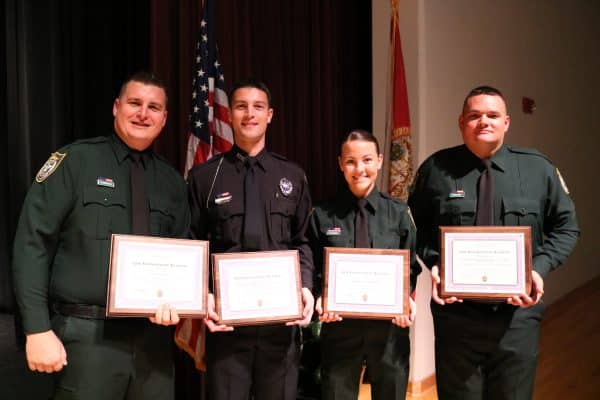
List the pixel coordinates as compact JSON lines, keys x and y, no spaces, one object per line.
{"x":314,"y":55}
{"x":62,"y":66}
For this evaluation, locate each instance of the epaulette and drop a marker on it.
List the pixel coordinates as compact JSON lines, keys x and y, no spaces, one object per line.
{"x":528,"y":151}
{"x":93,"y":140}
{"x":279,"y":156}
{"x":207,"y":164}
{"x":215,"y":159}
{"x":79,"y":142}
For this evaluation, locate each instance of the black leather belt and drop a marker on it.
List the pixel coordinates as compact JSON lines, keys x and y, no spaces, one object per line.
{"x":87,"y":311}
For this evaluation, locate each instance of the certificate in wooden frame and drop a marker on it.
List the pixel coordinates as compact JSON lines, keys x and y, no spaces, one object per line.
{"x":490,"y":263}
{"x":366,"y":283}
{"x":147,"y":271}
{"x":254,"y":288}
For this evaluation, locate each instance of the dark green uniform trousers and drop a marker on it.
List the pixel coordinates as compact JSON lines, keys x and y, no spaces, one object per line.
{"x":115,"y":358}
{"x":347,"y":345}
{"x":485,"y":351}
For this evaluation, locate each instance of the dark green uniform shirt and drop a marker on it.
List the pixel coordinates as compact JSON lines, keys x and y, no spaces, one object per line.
{"x":62,"y":245}
{"x":390,"y":227}
{"x":528,"y":192}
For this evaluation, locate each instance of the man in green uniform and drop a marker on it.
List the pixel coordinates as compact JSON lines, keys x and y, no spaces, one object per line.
{"x":81,"y":196}
{"x":489,"y":350}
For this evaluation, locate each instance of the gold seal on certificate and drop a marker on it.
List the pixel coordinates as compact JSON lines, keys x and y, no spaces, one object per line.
{"x":485,"y":262}
{"x":366,"y":283}
{"x":147,"y":271}
{"x":255,"y":288}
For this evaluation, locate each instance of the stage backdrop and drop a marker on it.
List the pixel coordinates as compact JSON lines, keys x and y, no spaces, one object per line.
{"x":64,"y":62}
{"x":314,"y":55}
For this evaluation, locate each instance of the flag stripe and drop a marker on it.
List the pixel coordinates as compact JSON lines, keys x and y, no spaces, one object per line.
{"x":210,"y":133}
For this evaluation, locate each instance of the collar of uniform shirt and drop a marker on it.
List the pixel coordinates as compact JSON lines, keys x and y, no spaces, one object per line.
{"x":122,"y":152}
{"x":350,"y":200}
{"x":499,"y":160}
{"x":240,"y":158}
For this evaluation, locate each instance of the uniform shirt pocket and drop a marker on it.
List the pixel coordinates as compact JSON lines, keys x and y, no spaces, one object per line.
{"x":393,"y":238}
{"x":105,"y":212}
{"x":518,"y":211}
{"x":227,"y":221}
{"x":162,"y":220}
{"x":281,"y":212}
{"x":456,"y":212}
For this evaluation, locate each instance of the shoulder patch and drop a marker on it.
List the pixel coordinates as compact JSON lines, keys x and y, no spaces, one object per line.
{"x":562,"y":182}
{"x":49,"y":166}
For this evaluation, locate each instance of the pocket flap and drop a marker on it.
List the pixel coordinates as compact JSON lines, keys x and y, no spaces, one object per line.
{"x":104,"y":196}
{"x":520,"y":206}
{"x":227,"y":210}
{"x":282,"y":206}
{"x":160,"y":205}
{"x":457,"y":206}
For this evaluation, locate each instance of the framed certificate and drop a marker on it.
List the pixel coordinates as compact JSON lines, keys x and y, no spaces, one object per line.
{"x":485,"y":262}
{"x":147,"y":271}
{"x":257,"y":287}
{"x":366,"y":283}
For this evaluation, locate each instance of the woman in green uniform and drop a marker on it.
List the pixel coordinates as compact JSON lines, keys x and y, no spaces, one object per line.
{"x":348,"y":344}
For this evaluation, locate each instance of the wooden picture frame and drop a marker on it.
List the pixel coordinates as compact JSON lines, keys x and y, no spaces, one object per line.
{"x":489,"y":263}
{"x":147,"y":271}
{"x":366,"y":283}
{"x":254,"y":288}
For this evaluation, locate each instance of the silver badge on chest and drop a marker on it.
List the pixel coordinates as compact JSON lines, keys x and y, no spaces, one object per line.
{"x":286,"y":186}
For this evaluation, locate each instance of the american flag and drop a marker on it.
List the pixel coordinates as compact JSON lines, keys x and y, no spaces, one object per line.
{"x":210,"y":131}
{"x":210,"y":134}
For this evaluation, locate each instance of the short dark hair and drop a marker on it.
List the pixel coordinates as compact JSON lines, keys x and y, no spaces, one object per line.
{"x":360,"y":134}
{"x":488,"y":90}
{"x":147,"y":78}
{"x":250,"y":83}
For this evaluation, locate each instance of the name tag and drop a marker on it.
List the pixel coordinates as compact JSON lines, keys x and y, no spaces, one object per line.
{"x":336,"y":231}
{"x":459,"y":194}
{"x":106,"y":182}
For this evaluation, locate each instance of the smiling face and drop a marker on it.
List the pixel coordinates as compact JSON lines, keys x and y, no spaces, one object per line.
{"x":249,"y":115}
{"x":483,"y":123}
{"x":360,"y":164}
{"x":140,"y":114}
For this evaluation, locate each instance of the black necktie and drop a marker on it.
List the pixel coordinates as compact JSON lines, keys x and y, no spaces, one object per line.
{"x":361,"y":226}
{"x":139,"y":200}
{"x":253,"y":211}
{"x":485,"y":196}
